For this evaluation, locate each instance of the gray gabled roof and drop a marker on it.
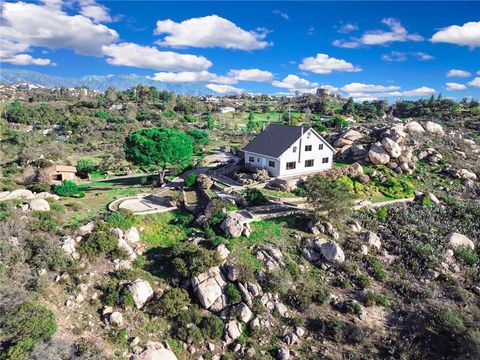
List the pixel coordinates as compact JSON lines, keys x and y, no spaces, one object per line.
{"x":275,"y":139}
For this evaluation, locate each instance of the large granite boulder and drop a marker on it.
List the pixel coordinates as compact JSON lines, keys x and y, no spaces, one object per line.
{"x":39,"y":205}
{"x":392,"y":147}
{"x":332,"y":252}
{"x":208,"y":287}
{"x":141,"y":292}
{"x":434,"y":128}
{"x":155,"y":351}
{"x":378,"y":155}
{"x":457,"y":240}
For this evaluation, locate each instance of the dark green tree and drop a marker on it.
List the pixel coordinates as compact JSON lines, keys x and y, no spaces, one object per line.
{"x":159,"y":147}
{"x":349,"y":107}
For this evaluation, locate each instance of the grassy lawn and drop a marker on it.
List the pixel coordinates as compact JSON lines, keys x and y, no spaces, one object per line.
{"x":278,"y":193}
{"x":164,"y":229}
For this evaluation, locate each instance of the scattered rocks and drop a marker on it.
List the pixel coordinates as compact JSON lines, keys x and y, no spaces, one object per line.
{"x":457,"y":240}
{"x":39,"y":205}
{"x":244,"y":312}
{"x":115,"y":319}
{"x":233,"y":330}
{"x":392,"y":147}
{"x":332,"y":252}
{"x":414,"y":127}
{"x":204,"y":181}
{"x":86,"y":229}
{"x":132,"y":235}
{"x":434,"y":128}
{"x":430,"y":274}
{"x":283,"y":353}
{"x":378,"y":155}
{"x":69,"y":246}
{"x":141,"y":292}
{"x":372,"y":239}
{"x":222,"y":251}
{"x":155,"y":351}
{"x":208,"y":287}
{"x":234,"y":225}
{"x":354,"y":225}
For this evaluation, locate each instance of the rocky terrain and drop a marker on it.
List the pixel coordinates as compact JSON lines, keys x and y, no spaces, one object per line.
{"x":379,"y":260}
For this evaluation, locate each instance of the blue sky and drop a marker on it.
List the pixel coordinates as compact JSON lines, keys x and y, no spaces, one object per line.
{"x":363,"y":49}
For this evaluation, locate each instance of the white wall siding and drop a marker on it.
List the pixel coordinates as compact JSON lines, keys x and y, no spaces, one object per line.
{"x":263,"y":162}
{"x":300,"y":156}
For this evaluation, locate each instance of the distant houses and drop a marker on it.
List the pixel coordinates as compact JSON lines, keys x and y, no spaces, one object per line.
{"x":58,"y":173}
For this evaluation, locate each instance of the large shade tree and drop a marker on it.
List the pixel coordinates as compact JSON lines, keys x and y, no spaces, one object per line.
{"x":159,"y":147}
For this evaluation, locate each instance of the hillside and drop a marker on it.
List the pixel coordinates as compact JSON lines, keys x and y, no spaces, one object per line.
{"x":376,"y":258}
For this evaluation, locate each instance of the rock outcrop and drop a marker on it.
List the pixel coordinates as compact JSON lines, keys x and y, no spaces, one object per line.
{"x":141,"y":292}
{"x":208,"y":288}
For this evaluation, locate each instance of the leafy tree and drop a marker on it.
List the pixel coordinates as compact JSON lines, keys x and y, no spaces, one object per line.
{"x":85,"y":166}
{"x":328,"y":199}
{"x":27,"y":325}
{"x":190,"y":180}
{"x":255,"y":197}
{"x":16,"y":112}
{"x":66,"y":188}
{"x":159,"y":147}
{"x":200,"y":138}
{"x":210,"y":121}
{"x":349,"y":107}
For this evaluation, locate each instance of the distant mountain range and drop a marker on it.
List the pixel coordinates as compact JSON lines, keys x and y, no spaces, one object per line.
{"x":96,"y":82}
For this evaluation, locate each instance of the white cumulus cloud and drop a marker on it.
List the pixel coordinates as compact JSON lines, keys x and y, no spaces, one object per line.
{"x":467,"y":34}
{"x":149,"y":57}
{"x":324,"y":64}
{"x":359,"y":87}
{"x":396,"y":33}
{"x":368,"y":93}
{"x":209,"y":31}
{"x":475,"y":82}
{"x":48,"y":26}
{"x":225,"y":89}
{"x":94,"y":11}
{"x":451,"y":86}
{"x":256,"y":75}
{"x":458,"y":73}
{"x":192,"y":77}
{"x":26,"y":59}
{"x":293,"y":82}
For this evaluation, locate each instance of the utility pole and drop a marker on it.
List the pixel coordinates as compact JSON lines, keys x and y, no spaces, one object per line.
{"x":289,"y":116}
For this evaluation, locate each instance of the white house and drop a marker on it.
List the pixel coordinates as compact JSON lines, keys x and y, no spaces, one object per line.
{"x":286,"y":150}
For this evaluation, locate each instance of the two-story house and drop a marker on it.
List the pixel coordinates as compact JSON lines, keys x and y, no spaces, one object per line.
{"x":285,"y":150}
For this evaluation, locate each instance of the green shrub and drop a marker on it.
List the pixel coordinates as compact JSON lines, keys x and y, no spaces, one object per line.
{"x":189,"y":260}
{"x":233,"y":294}
{"x":372,"y":298}
{"x":173,"y":302}
{"x":377,"y":270}
{"x":363,"y":280}
{"x":300,"y":191}
{"x":322,"y":296}
{"x":27,"y":325}
{"x":468,"y":256}
{"x":190,"y":180}
{"x":38,"y":187}
{"x":123,"y":219}
{"x":85,"y":166}
{"x":352,"y":307}
{"x":212,"y":327}
{"x":100,"y":242}
{"x":67,"y":188}
{"x":255,"y":197}
{"x":451,"y":321}
{"x":114,"y":294}
{"x":382,"y":214}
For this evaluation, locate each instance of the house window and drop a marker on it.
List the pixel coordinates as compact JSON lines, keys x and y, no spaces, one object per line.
{"x":308,"y":147}
{"x":309,"y":163}
{"x":251,"y":159}
{"x":320,"y":146}
{"x":325,"y":160}
{"x":294,"y":149}
{"x":291,"y":165}
{"x":258,"y":159}
{"x":271,"y":163}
